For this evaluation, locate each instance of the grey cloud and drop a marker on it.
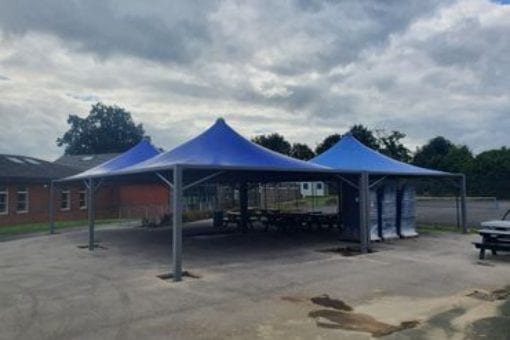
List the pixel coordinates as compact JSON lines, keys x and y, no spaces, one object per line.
{"x":102,"y":27}
{"x":302,"y":68}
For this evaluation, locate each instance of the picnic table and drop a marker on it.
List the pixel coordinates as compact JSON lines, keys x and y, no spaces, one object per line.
{"x":493,"y":239}
{"x":281,"y":219}
{"x":496,"y":224}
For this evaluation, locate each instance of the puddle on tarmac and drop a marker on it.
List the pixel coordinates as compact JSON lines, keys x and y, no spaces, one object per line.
{"x":327,"y":318}
{"x":325,"y":301}
{"x":494,"y":328}
{"x":293,"y":299}
{"x":498,"y":294}
{"x":340,"y":316}
{"x":336,"y":314}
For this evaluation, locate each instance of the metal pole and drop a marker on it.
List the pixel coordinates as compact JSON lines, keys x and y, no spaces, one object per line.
{"x":51,"y":208}
{"x":177,"y":224}
{"x":92,"y":213}
{"x":339,"y":203}
{"x":363,"y":211}
{"x":457,"y":211}
{"x":243,"y":208}
{"x":463,"y":212}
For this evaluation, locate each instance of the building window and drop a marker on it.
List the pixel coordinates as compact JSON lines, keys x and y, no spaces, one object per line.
{"x":65,"y":199}
{"x":305,"y":186}
{"x":319,"y":186}
{"x":83,"y":199}
{"x":21,"y":199}
{"x":4,"y":200}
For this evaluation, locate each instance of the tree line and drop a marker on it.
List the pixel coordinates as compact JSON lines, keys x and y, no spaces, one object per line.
{"x":111,"y":129}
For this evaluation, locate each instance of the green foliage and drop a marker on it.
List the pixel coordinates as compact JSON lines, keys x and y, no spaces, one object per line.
{"x":491,"y":173}
{"x":107,"y":129}
{"x":301,"y":151}
{"x":432,"y":154}
{"x":441,"y":154}
{"x":365,"y":136}
{"x":327,"y":143}
{"x":275,"y":142}
{"x":391,"y":145}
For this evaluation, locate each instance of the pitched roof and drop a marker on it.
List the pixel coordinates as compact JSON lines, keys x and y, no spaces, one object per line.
{"x":350,"y":154}
{"x":140,"y":152}
{"x":221,"y":147}
{"x":84,"y":162}
{"x":15,"y":167}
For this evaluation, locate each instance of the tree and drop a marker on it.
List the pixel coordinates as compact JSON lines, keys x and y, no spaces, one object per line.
{"x":327,"y":143}
{"x":106,"y":129}
{"x":391,"y":146}
{"x":491,"y":173}
{"x":274,"y":141}
{"x":431,"y":154}
{"x":301,"y":151}
{"x":365,"y":136}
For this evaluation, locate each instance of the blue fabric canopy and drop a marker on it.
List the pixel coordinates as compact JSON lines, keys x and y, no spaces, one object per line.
{"x":220,"y":147}
{"x":142,"y":151}
{"x":351,"y":155}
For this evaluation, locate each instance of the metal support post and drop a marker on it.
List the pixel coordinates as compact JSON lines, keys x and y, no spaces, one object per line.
{"x":92,"y":212}
{"x":463,"y":212}
{"x":339,"y":204}
{"x":177,"y":224}
{"x":51,"y":208}
{"x":364,"y":211}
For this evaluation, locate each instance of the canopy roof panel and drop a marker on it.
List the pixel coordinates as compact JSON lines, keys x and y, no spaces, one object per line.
{"x":220,"y":147}
{"x":351,"y":155}
{"x":142,"y":151}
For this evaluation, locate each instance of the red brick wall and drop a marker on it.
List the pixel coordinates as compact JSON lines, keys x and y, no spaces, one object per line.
{"x":143,"y":200}
{"x":143,"y":194}
{"x":112,"y":200}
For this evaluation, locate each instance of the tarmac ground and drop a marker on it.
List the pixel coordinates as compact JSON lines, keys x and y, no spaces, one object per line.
{"x":258,"y":285}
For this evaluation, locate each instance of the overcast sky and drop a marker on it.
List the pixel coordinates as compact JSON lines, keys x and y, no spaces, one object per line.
{"x":302,"y":68}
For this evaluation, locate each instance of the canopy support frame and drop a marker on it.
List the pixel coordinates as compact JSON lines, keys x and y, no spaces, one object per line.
{"x":177,"y":223}
{"x":355,"y":186}
{"x":51,"y":207}
{"x":202,"y":180}
{"x":463,"y":212}
{"x":165,"y":180}
{"x":364,"y":195}
{"x":91,"y":212}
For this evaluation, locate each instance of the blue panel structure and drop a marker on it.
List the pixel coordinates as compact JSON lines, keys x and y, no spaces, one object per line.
{"x":350,"y":215}
{"x":407,"y":211}
{"x":142,"y":151}
{"x":373,"y":221}
{"x":221,"y":147}
{"x":349,"y":154}
{"x":388,"y":211}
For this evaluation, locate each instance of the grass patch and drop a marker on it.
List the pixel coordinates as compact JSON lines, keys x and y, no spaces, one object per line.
{"x":29,"y":228}
{"x":433,"y":228}
{"x":306,"y":202}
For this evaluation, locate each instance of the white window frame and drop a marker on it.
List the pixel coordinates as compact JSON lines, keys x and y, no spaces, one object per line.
{"x":84,"y":205}
{"x":68,"y":200}
{"x":4,"y":190}
{"x":27,"y":200}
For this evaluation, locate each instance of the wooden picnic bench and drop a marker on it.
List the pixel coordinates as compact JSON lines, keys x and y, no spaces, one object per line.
{"x":493,"y":240}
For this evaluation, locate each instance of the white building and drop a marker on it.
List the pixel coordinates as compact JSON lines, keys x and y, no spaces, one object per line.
{"x":313,"y":189}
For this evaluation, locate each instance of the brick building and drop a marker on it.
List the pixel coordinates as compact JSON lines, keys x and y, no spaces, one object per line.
{"x":25,"y":191}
